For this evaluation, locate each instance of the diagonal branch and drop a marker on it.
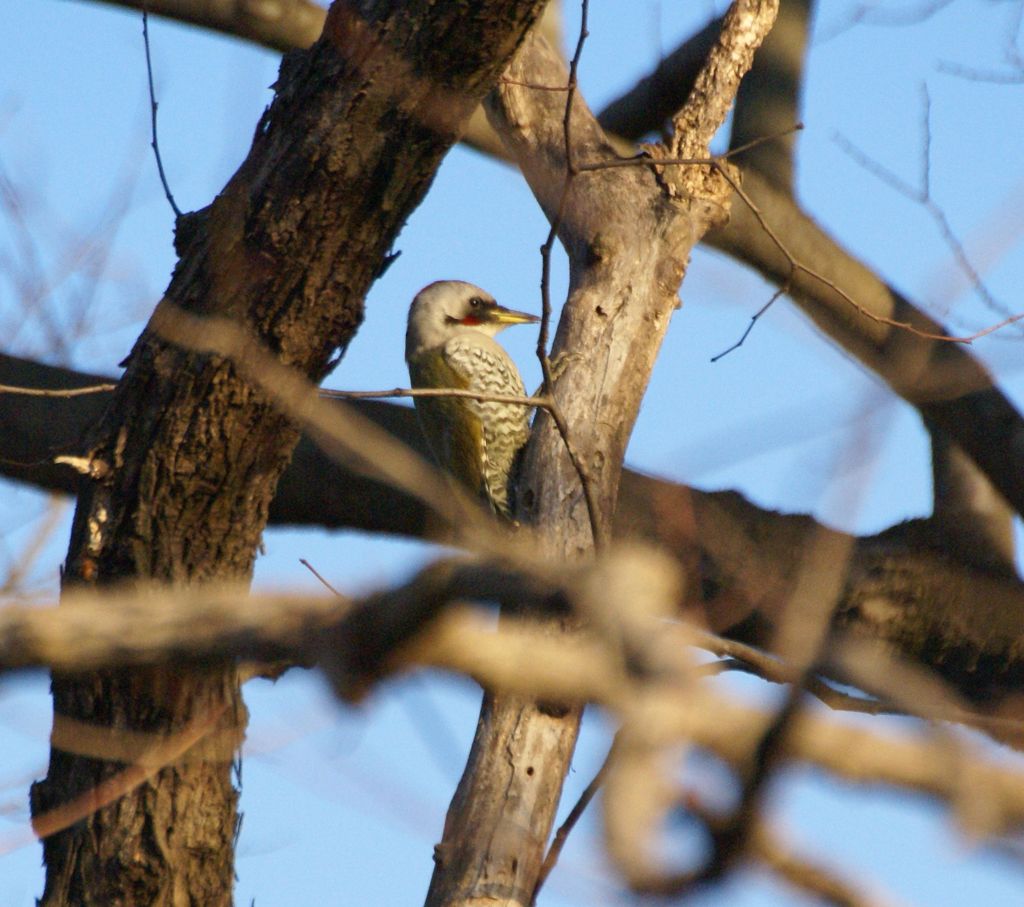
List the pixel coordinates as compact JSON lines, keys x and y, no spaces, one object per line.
{"x":740,"y":559}
{"x":286,"y":251}
{"x":953,"y":391}
{"x":425,"y":622}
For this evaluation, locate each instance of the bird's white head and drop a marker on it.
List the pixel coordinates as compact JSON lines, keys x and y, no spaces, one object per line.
{"x":448,"y":307}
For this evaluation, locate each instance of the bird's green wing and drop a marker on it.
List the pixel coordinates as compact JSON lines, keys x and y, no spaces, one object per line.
{"x":453,"y":432}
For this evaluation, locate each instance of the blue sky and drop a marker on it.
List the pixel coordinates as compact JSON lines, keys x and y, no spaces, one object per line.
{"x":344,"y":805}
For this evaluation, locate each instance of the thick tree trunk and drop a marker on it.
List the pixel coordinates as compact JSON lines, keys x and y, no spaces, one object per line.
{"x":186,"y":460}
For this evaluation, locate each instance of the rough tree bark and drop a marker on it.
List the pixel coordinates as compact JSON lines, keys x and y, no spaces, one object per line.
{"x":660,"y":510}
{"x":628,"y":233}
{"x":186,"y":460}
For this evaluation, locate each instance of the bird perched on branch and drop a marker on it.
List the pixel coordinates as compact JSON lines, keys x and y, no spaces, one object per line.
{"x":449,"y":344}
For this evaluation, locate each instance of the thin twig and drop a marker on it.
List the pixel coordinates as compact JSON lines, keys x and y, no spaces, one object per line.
{"x":819,"y":689}
{"x":923,"y":197}
{"x":573,"y":84}
{"x":781,"y":291}
{"x":542,"y":402}
{"x":505,"y":80}
{"x":593,"y":513}
{"x":152,"y":107}
{"x":796,"y":266}
{"x":643,"y":157}
{"x":318,"y":575}
{"x":762,"y":140}
{"x":48,"y":392}
{"x":737,"y":656}
{"x":575,"y":814}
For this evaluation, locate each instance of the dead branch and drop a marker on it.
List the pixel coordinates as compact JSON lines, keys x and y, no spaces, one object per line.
{"x":628,"y":233}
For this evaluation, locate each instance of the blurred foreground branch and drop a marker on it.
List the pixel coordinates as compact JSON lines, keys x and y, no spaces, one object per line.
{"x":739,"y":559}
{"x":639,"y":666}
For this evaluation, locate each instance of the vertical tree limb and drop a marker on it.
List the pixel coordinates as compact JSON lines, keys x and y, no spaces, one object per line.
{"x":628,"y":232}
{"x":768,"y":102}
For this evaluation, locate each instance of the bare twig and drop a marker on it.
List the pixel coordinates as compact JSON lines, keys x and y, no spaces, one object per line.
{"x":575,"y":814}
{"x":56,"y":392}
{"x":316,"y":573}
{"x":795,"y":265}
{"x":781,"y":291}
{"x":522,"y":83}
{"x":152,"y":107}
{"x":923,"y":197}
{"x":543,"y":402}
{"x":892,"y":687}
{"x":558,"y":417}
{"x":819,"y":689}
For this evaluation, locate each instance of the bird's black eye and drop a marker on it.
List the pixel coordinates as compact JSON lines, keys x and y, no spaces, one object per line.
{"x":475,"y":302}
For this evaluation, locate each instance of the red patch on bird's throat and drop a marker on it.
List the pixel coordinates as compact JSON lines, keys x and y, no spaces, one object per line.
{"x":471,"y":321}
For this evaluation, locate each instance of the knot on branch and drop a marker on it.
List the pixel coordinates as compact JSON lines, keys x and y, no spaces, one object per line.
{"x":702,"y":186}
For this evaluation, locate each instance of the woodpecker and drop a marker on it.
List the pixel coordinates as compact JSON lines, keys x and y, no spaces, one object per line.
{"x":449,"y":344}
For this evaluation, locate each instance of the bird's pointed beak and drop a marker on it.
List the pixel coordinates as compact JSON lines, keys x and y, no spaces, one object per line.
{"x":505,"y":317}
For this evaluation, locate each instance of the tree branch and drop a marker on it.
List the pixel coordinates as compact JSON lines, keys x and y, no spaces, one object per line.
{"x":951,"y":389}
{"x":965,"y":404}
{"x":740,"y":559}
{"x":423,"y":623}
{"x":276,"y":24}
{"x":628,"y":235}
